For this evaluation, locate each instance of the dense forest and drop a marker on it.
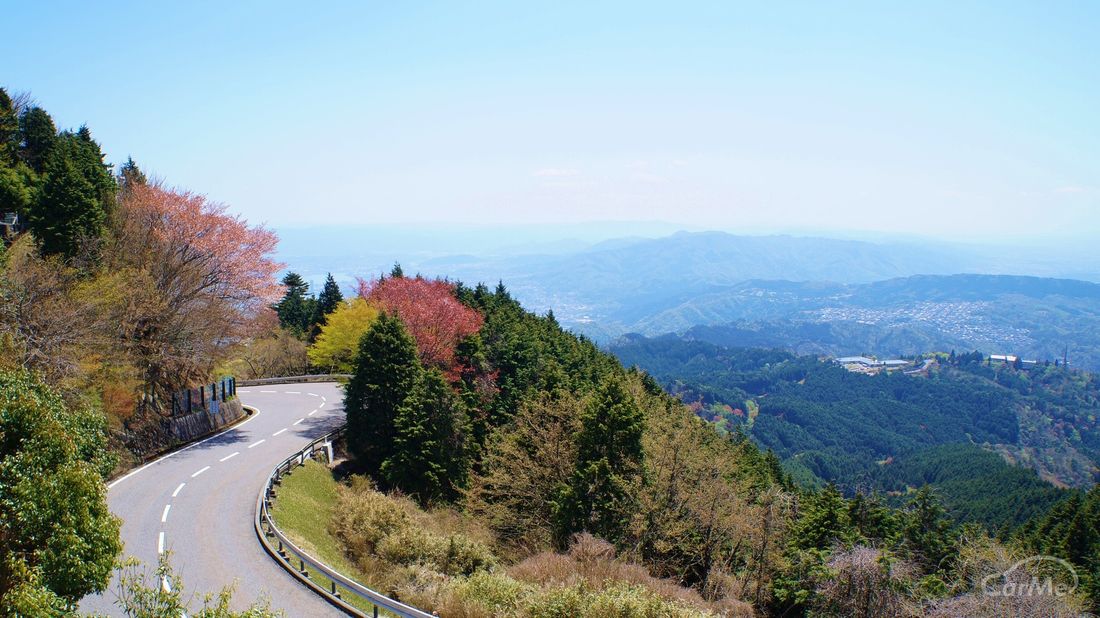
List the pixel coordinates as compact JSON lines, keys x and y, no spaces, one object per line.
{"x":830,"y":424}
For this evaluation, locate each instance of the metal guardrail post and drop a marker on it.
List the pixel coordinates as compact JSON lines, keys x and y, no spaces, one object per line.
{"x":281,"y":548}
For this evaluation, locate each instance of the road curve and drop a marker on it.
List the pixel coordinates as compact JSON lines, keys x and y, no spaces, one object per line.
{"x":199,"y":502}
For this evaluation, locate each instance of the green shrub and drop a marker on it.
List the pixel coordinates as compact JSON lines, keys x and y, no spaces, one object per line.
{"x":453,"y":555}
{"x":411,"y":546}
{"x":496,"y":593}
{"x":464,"y":556}
{"x":364,"y":517}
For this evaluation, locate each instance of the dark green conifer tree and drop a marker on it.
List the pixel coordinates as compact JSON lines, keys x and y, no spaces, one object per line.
{"x":601,"y":494}
{"x":386,"y":370}
{"x":38,"y":137}
{"x":429,"y":458}
{"x":9,"y":130}
{"x":68,"y":210}
{"x":296,"y":308}
{"x":130,"y":175}
{"x":872,"y":521}
{"x":926,"y":530}
{"x":327,"y":302}
{"x":76,"y":196}
{"x":822,"y":520}
{"x":330,"y":297}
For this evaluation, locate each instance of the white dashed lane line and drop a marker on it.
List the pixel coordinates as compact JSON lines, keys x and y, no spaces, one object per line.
{"x":228,"y":457}
{"x":164,"y":516}
{"x":312,"y":413}
{"x":293,"y":392}
{"x":313,"y":394}
{"x":279,"y":432}
{"x":269,"y":391}
{"x":298,"y":421}
{"x":256,"y":443}
{"x":178,"y":489}
{"x":200,"y":472}
{"x":160,"y":543}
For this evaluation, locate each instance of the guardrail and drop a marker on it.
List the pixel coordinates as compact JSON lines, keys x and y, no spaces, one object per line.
{"x":324,"y":377}
{"x":287,"y":553}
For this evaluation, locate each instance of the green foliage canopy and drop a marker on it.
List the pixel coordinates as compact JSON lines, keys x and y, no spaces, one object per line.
{"x":58,"y":541}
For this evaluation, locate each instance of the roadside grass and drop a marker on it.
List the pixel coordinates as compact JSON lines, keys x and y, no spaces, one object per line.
{"x":303,"y":508}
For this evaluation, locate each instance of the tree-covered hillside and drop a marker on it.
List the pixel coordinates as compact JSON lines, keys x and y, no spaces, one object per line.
{"x":886,"y":432}
{"x":503,"y":466}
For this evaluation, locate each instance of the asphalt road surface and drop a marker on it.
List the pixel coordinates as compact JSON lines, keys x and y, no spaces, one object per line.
{"x":199,"y":502}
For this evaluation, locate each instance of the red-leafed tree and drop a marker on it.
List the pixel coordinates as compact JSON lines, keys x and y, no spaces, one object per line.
{"x":432,"y":314}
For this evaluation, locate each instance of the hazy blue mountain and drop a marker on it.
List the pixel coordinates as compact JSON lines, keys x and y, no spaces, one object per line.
{"x":811,"y":295}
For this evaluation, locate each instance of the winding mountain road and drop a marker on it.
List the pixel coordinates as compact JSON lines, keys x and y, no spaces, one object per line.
{"x":199,"y":502}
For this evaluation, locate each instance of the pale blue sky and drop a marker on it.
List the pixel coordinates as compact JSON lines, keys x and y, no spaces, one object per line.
{"x":954,"y":119}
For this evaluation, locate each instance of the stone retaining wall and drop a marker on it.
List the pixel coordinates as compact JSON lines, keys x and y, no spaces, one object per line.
{"x":193,"y":426}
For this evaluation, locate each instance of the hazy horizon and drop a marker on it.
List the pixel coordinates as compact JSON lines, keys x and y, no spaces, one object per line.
{"x":953,"y":122}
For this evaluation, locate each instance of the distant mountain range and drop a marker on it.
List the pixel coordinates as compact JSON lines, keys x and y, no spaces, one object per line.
{"x":810,"y":295}
{"x":1037,"y":318}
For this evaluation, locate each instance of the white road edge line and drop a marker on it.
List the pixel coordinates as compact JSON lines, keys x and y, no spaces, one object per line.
{"x":177,"y":492}
{"x":256,"y":443}
{"x":228,"y":457}
{"x":278,"y":432}
{"x":164,"y":516}
{"x":298,"y":421}
{"x":200,"y":472}
{"x":160,"y":543}
{"x":190,"y":446}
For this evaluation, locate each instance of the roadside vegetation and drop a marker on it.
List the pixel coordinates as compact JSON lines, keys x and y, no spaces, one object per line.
{"x":116,"y":291}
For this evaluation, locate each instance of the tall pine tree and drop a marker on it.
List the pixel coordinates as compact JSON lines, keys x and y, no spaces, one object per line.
{"x":386,"y":370}
{"x":296,"y":308}
{"x":76,"y":197}
{"x":130,"y":175}
{"x":600,"y":497}
{"x":327,"y":302}
{"x":429,"y":459}
{"x":329,"y":298}
{"x":68,"y":211}
{"x":823,"y":521}
{"x":9,"y":130}
{"x":926,"y":530}
{"x":38,"y":136}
